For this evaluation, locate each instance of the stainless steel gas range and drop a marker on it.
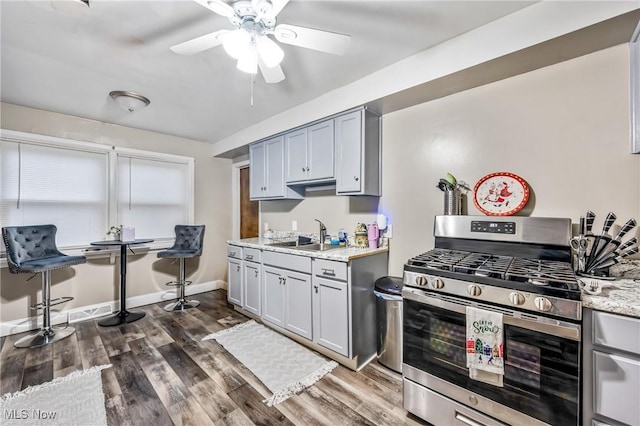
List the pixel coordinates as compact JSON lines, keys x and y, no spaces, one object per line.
{"x":519,"y":267}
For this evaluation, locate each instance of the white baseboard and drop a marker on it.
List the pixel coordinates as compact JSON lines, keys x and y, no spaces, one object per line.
{"x":61,"y":317}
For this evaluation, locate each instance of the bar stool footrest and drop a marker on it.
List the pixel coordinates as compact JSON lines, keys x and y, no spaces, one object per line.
{"x":52,"y":302}
{"x":178,"y":283}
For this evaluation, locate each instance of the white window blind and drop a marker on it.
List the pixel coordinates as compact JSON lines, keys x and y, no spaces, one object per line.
{"x":154,"y":194}
{"x":65,"y":186}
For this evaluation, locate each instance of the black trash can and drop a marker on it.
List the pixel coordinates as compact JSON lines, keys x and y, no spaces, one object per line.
{"x":388,"y":291}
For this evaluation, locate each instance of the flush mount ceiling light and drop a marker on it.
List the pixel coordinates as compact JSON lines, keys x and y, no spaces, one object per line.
{"x":129,"y":101}
{"x":250,"y":43}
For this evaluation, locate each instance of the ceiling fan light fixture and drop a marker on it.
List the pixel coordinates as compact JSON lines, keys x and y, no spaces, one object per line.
{"x":129,"y":101}
{"x":237,"y":43}
{"x":248,"y":62}
{"x":270,"y":53}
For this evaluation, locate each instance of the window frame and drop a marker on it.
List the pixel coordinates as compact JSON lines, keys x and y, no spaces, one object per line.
{"x":112,"y":180}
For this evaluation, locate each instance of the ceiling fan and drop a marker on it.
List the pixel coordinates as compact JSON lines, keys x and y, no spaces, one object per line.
{"x":250,"y":44}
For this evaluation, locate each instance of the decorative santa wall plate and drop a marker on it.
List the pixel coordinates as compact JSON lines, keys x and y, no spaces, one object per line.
{"x":501,"y":194}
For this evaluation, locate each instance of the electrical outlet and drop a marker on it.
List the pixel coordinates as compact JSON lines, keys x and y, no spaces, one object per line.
{"x":389,"y":231}
{"x":294,"y":225}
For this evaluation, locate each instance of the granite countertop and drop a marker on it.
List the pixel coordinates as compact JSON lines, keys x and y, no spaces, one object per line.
{"x":341,"y":254}
{"x":619,"y":297}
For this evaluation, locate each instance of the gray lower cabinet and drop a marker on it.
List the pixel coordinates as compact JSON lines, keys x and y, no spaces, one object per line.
{"x":331,"y":314}
{"x":611,"y":369}
{"x":287,"y":292}
{"x":273,"y":296}
{"x":297,"y":304}
{"x":252,"y":281}
{"x":234,"y":281}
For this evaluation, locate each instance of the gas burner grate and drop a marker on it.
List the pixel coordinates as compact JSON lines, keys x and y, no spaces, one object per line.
{"x":484,"y":265}
{"x":542,"y":272}
{"x":438,"y":259}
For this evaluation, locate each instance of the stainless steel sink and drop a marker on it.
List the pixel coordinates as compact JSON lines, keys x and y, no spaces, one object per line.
{"x":290,"y":244}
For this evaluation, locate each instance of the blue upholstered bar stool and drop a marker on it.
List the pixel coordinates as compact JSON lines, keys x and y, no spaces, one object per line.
{"x":188,"y":243}
{"x":32,"y":249}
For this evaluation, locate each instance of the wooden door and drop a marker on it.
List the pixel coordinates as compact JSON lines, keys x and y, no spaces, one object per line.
{"x":248,"y":209}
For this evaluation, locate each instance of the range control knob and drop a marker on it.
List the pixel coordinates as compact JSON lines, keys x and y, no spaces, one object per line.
{"x":474,"y":290}
{"x":437,"y":283}
{"x":421,"y":281}
{"x":543,"y":304}
{"x":516,"y":298}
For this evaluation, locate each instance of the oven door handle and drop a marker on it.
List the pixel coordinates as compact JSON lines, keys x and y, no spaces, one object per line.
{"x":527,"y":321}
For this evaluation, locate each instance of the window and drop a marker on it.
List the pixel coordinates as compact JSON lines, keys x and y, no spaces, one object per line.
{"x":49,"y":184}
{"x":84,"y":188}
{"x":153,"y":194}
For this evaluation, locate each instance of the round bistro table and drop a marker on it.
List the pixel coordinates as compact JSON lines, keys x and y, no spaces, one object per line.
{"x":123,"y":316}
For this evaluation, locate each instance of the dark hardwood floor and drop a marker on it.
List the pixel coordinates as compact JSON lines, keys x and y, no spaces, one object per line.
{"x":164,"y":374}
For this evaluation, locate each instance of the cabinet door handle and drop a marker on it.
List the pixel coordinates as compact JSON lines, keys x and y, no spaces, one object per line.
{"x":238,"y":268}
{"x":249,"y":257}
{"x":329,"y":272}
{"x":356,"y":178}
{"x":256,"y":272}
{"x":284,"y":280}
{"x":307,"y":169}
{"x":316,"y":287}
{"x":303,"y":169}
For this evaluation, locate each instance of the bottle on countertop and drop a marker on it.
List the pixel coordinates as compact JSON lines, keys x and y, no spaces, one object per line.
{"x":342,"y":237}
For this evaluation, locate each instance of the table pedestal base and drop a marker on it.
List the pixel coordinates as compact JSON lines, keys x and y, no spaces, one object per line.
{"x":121,"y":317}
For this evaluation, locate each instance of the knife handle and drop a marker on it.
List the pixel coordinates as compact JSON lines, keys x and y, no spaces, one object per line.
{"x":608,"y":221}
{"x":627,"y":244}
{"x":590,"y":218}
{"x":629,"y":252}
{"x":581,"y":229}
{"x":631,"y":223}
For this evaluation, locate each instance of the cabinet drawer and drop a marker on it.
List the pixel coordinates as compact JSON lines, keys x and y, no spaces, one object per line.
{"x":616,"y":331}
{"x":251,"y":254}
{"x":287,"y":261}
{"x":330,"y":269}
{"x":234,"y":252}
{"x":616,"y":381}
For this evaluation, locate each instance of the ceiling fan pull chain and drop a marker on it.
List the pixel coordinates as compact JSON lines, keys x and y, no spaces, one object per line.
{"x":252,"y":82}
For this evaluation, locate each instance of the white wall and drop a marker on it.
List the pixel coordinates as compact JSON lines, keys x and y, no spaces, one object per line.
{"x":564,"y":129}
{"x":97,"y":281}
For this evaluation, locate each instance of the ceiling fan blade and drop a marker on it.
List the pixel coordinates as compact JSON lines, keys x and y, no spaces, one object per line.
{"x":323,"y":41}
{"x":199,"y":44}
{"x":271,"y":75}
{"x":217,"y":6}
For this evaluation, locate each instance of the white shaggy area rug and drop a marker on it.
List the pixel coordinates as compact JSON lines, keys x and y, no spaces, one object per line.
{"x":282,"y":365}
{"x":75,"y":399}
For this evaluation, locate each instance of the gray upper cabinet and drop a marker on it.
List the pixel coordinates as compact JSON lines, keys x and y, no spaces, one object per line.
{"x":266,"y":173}
{"x":310,"y":153}
{"x":358,"y":160}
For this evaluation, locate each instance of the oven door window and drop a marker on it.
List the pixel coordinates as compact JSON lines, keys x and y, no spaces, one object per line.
{"x":541,"y":376}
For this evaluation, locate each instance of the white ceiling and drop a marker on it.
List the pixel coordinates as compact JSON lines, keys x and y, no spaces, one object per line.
{"x":63,"y":60}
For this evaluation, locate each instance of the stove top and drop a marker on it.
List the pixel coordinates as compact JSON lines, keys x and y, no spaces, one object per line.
{"x":536,"y":272}
{"x":521,"y":263}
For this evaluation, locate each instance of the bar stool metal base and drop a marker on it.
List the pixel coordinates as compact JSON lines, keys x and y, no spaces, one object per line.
{"x":181,"y":305}
{"x":44,"y":337}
